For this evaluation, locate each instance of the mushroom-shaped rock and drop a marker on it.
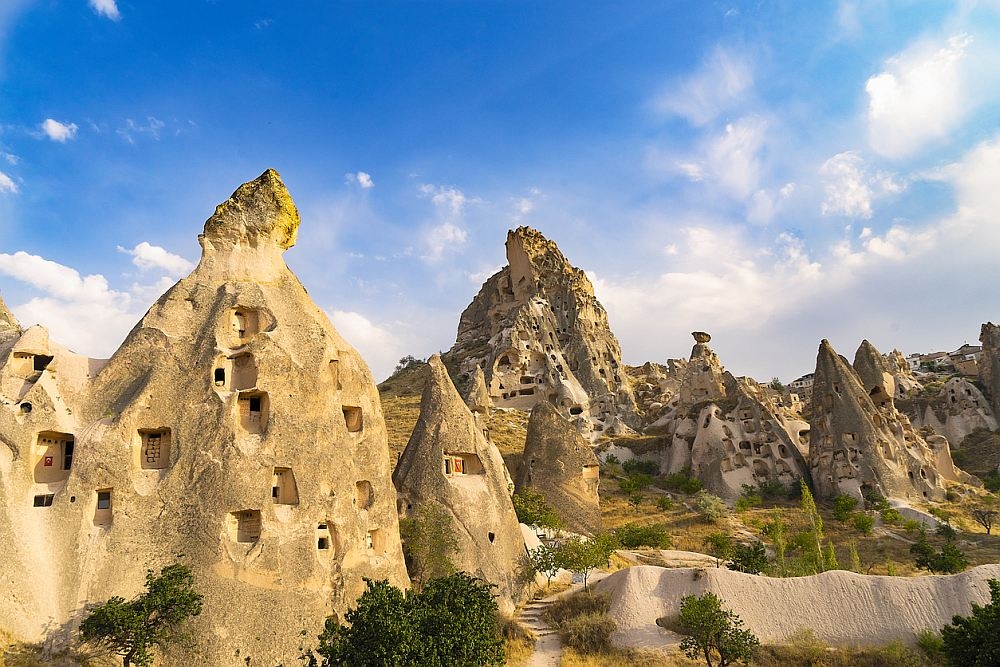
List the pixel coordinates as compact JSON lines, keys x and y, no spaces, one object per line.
{"x":561,"y":466}
{"x":703,"y":375}
{"x":448,"y":461}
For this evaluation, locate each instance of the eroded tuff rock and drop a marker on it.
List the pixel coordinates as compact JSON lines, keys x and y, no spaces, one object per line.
{"x":478,"y":397}
{"x":703,"y":379}
{"x":540,"y":334}
{"x":859,"y":442}
{"x":989,"y":363}
{"x":560,"y":465}
{"x":8,"y":323}
{"x":906,"y":384}
{"x":449,"y":461}
{"x":234,"y":430}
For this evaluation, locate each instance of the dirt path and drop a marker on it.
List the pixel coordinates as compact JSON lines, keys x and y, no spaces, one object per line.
{"x":548,"y":647}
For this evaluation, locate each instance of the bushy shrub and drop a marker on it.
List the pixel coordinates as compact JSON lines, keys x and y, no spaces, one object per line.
{"x":875,"y":501}
{"x":664,"y":503}
{"x":975,"y":639}
{"x":891,"y":516}
{"x":682,"y":481}
{"x":748,"y":498}
{"x":634,"y":536}
{"x":930,"y":644}
{"x":532,"y":509}
{"x":771,"y":489}
{"x":749,"y":558}
{"x":710,"y":508}
{"x":992,"y":482}
{"x":863,"y":523}
{"x":634,"y":483}
{"x":650,"y":468}
{"x":611,"y":459}
{"x":714,"y":632}
{"x":843,"y":506}
{"x":588,"y":634}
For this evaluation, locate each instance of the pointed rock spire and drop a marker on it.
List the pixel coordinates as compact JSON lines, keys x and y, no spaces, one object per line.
{"x":703,"y":379}
{"x":478,"y":398}
{"x":7,"y":320}
{"x":261,"y":210}
{"x":874,"y":374}
{"x":560,"y":464}
{"x":449,"y":461}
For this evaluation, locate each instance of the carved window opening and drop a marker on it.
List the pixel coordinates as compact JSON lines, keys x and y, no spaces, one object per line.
{"x":375,"y":541}
{"x":284,"y":491}
{"x":55,"y":456}
{"x":254,"y":408}
{"x":40,"y":362}
{"x":219,"y":377}
{"x":102,"y":515}
{"x":154,"y":452}
{"x":462,"y":464}
{"x":335,"y":373}
{"x":247,"y":525}
{"x":576,"y":410}
{"x":491,"y":536}
{"x":43,"y":500}
{"x":364,"y":495}
{"x":353,"y":418}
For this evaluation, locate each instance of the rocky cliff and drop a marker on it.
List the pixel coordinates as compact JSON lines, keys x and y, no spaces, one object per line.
{"x":540,"y":334}
{"x":234,"y":430}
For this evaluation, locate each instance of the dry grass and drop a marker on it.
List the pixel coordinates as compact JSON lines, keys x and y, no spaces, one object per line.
{"x":621,"y":658}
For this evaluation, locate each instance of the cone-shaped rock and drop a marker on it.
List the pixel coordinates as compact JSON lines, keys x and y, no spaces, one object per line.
{"x":859,"y":442}
{"x":7,"y":320}
{"x":235,"y":431}
{"x":703,"y":376}
{"x":449,"y":461}
{"x":540,"y":334}
{"x":478,"y":399}
{"x":560,"y":464}
{"x":874,"y":374}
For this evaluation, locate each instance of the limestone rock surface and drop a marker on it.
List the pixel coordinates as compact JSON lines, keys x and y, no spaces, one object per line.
{"x":478,"y":397}
{"x":8,"y":322}
{"x":234,"y":430}
{"x":560,"y":464}
{"x":959,"y":409}
{"x":540,"y":334}
{"x":989,"y":363}
{"x":450,"y":462}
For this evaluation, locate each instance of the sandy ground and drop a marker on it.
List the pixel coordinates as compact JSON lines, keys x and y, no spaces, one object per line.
{"x":841,"y":607}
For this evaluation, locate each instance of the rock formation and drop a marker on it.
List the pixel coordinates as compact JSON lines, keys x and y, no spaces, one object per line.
{"x":703,"y":379}
{"x":234,"y":430}
{"x":561,"y":466}
{"x":8,"y":323}
{"x":989,"y":363}
{"x":540,"y":334}
{"x":859,"y":442}
{"x":906,"y":383}
{"x":958,"y":410}
{"x":478,"y":397}
{"x":449,"y":461}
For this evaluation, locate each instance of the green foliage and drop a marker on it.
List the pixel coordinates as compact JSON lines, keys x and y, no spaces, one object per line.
{"x":863,"y":523}
{"x":720,"y":546}
{"x":634,"y":483}
{"x":830,"y":558}
{"x":931,"y":644}
{"x":772,"y":489}
{"x":947,"y":531}
{"x":709,"y":507}
{"x":985,"y":517}
{"x":406,"y":362}
{"x":713,"y":633}
{"x":634,"y":536}
{"x":749,"y":558}
{"x":749,"y":497}
{"x":852,"y":550}
{"x":808,"y":505}
{"x":875,"y":501}
{"x":131,"y":629}
{"x":650,"y":468}
{"x":532,"y":510}
{"x":582,"y":556}
{"x":429,"y":542}
{"x":582,"y":621}
{"x":843,"y":506}
{"x":950,"y":560}
{"x":776,"y":384}
{"x":992,"y":482}
{"x":544,"y":560}
{"x":682,"y":481}
{"x":777,"y":531}
{"x":611,"y":459}
{"x":451,"y":622}
{"x":891,"y":516}
{"x":635,"y":499}
{"x":911,"y":525}
{"x":890,"y":568}
{"x":664,"y":503}
{"x":974,"y":640}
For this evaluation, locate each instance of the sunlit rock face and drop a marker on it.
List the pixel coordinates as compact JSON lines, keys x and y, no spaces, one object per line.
{"x":234,"y":430}
{"x":540,"y":334}
{"x":450,"y":463}
{"x":860,"y":442}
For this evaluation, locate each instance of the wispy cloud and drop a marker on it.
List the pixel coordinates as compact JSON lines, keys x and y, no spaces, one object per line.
{"x":106,"y":8}
{"x":132,"y":130}
{"x":148,"y":257}
{"x":850,"y":187}
{"x":7,"y":184}
{"x":57,"y":131}
{"x":919,"y":97}
{"x":361,"y":178}
{"x":716,"y":87}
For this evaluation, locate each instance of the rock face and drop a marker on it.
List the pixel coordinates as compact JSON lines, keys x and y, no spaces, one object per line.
{"x":859,"y":442}
{"x":959,"y":409}
{"x":8,"y":323}
{"x":906,"y":383}
{"x":989,"y":363}
{"x":703,"y":379}
{"x":540,"y":334}
{"x":478,"y":397}
{"x":560,"y":464}
{"x":449,"y":461}
{"x":234,"y":430}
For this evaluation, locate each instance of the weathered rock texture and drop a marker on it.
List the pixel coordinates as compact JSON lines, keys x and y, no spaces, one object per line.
{"x":478,"y":397}
{"x":703,"y":379}
{"x":859,"y":442}
{"x":234,"y":430}
{"x":906,"y":383}
{"x":8,"y":323}
{"x":449,"y":461}
{"x":560,"y":464}
{"x":841,"y":608}
{"x":989,"y":363}
{"x":540,"y":334}
{"x":958,"y":410}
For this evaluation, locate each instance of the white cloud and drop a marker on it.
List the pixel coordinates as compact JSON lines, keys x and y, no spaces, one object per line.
{"x":147,"y":256}
{"x":718,"y":86}
{"x":133,"y":130}
{"x":7,"y":184}
{"x":920,"y":97}
{"x":363,"y":179}
{"x":443,"y":238}
{"x":56,"y":131}
{"x":850,"y":187}
{"x":107,"y":8}
{"x":732,"y":159}
{"x":449,"y":200}
{"x":377,"y":345}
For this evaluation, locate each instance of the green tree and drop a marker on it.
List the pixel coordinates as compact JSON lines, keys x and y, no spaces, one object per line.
{"x":950,"y":560}
{"x":131,"y":629}
{"x":863,"y":523}
{"x":830,"y":557}
{"x":452,"y":622}
{"x":544,"y":559}
{"x":714,"y":633}
{"x":985,"y":517}
{"x":532,"y":510}
{"x":749,"y":558}
{"x":808,"y":506}
{"x":582,"y":556}
{"x":710,"y":508}
{"x":852,"y":550}
{"x":719,"y":546}
{"x":777,"y":531}
{"x":843,"y":506}
{"x":634,"y":536}
{"x":429,"y":542}
{"x":974,"y":640}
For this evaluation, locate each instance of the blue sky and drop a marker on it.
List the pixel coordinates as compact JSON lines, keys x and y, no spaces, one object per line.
{"x":771,"y":172}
